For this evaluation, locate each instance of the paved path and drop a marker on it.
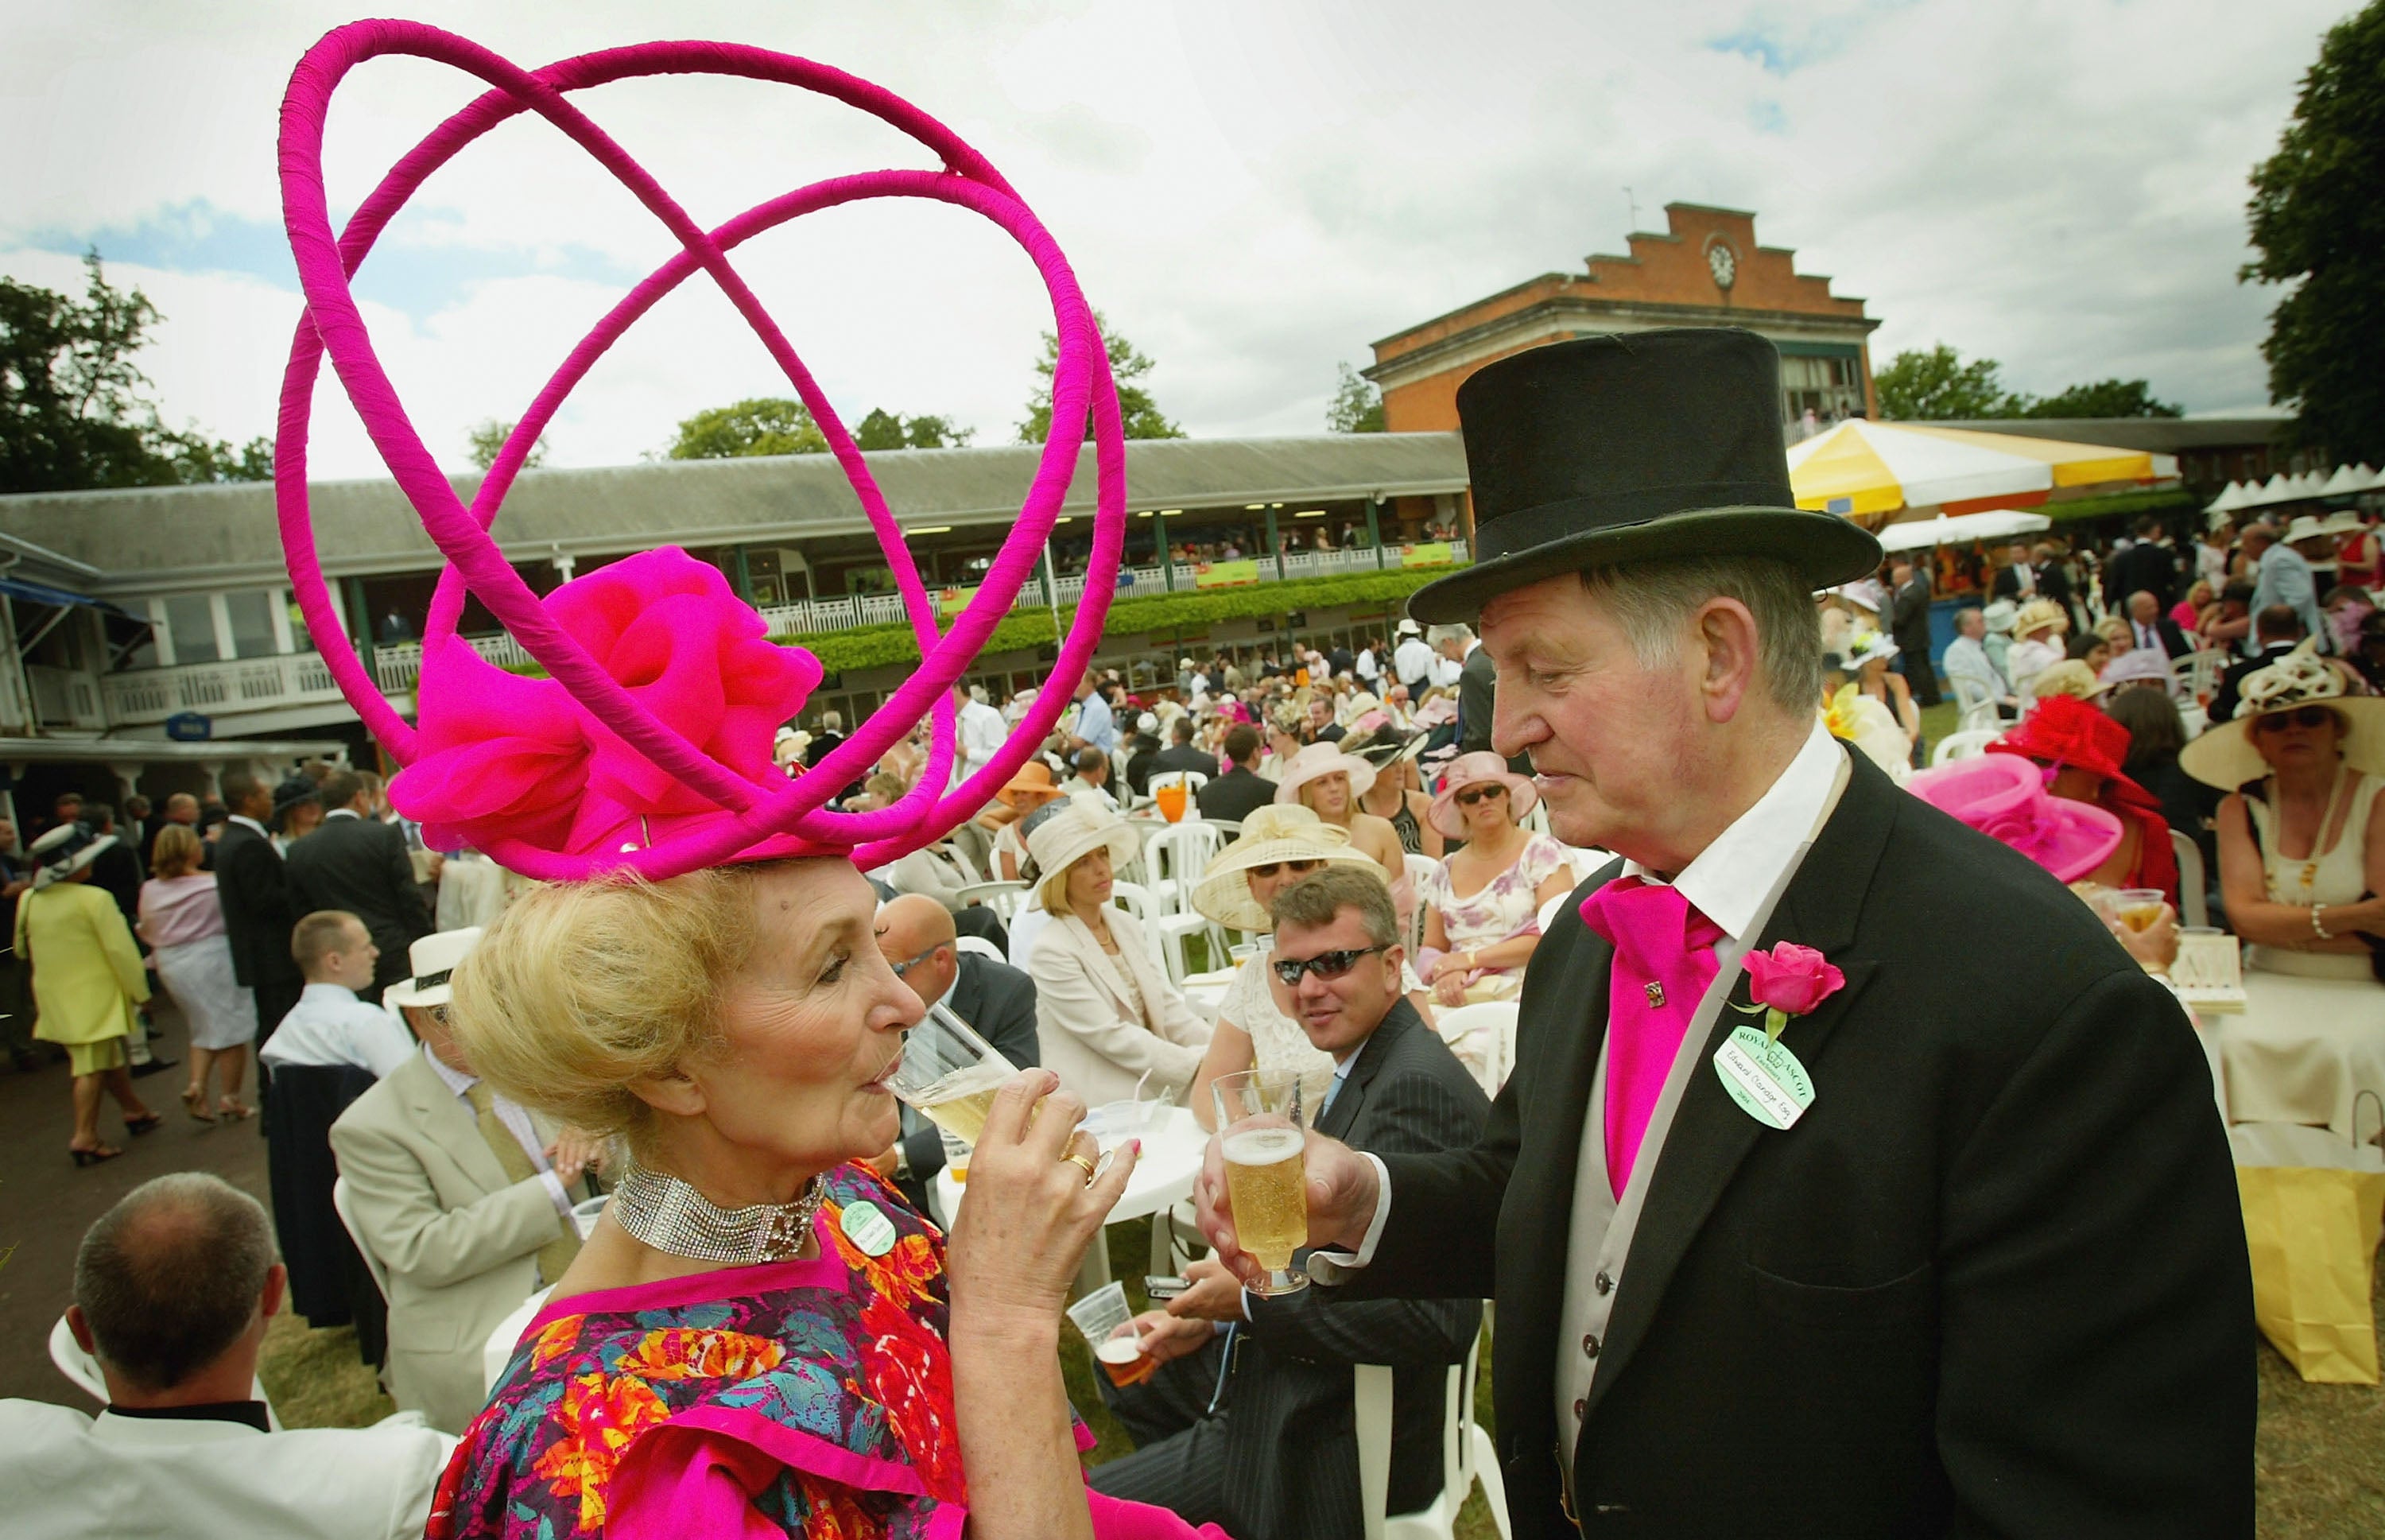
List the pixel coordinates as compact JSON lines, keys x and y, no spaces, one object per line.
{"x":46,"y":1203}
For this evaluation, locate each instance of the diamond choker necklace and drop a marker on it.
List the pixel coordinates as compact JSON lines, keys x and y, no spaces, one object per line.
{"x":670,"y":1215}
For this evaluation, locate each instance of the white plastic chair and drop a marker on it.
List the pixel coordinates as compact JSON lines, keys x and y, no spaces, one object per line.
{"x":1483,"y":1038}
{"x":1191,"y":781}
{"x":979,"y":947}
{"x":1467,"y":1456}
{"x":1004,"y":899}
{"x":68,"y":1357}
{"x":1548,"y":913}
{"x":373,"y":1264}
{"x":2194,"y":903}
{"x":1174,"y":856}
{"x":1170,"y":931}
{"x":1976,"y":703}
{"x":1962,"y":746}
{"x":2197,"y":674}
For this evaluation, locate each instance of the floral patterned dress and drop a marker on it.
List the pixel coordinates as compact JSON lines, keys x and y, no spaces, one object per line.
{"x":1500,"y":910}
{"x":807,"y":1398}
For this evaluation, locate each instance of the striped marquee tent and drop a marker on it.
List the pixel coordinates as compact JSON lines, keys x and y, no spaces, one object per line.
{"x":1878,"y":472}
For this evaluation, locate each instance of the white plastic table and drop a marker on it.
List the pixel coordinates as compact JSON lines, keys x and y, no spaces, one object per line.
{"x":1206,"y":992}
{"x":1163,"y":1178}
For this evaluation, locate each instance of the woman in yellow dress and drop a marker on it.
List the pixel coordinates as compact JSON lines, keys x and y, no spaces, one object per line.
{"x":87,"y":979}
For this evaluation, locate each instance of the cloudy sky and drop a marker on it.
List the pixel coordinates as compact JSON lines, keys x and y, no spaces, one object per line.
{"x":1251,"y":191}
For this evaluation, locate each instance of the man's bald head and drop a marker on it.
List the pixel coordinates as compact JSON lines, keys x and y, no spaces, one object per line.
{"x":915,"y":934}
{"x":178,"y":1274}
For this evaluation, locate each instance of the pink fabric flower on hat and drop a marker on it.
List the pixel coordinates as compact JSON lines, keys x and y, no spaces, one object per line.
{"x":508,"y":757}
{"x":1792,"y":979}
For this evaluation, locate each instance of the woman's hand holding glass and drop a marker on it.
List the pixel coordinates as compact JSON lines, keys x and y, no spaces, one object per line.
{"x":1032,"y":1208}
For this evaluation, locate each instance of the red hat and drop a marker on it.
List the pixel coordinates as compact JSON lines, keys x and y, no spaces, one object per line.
{"x":2067,"y":732}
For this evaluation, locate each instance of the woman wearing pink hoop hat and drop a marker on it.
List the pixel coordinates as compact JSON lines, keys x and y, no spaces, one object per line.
{"x":760,"y":1337}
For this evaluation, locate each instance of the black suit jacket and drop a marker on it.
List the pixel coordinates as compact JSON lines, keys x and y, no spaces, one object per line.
{"x":257,"y":921}
{"x":2231,"y":691}
{"x":1478,"y":685}
{"x":1235,"y":796}
{"x":361,"y":865}
{"x":2143,"y":568}
{"x":999,"y":1001}
{"x":2173,"y":640}
{"x":2007,"y":585}
{"x":1994,"y":1282}
{"x":1908,"y":624}
{"x":1184,"y":756}
{"x":1292,"y":1465}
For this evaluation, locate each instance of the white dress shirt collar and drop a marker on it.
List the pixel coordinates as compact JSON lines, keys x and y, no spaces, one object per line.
{"x":1730,"y":879}
{"x":457,"y":1081}
{"x":341,"y":812}
{"x":247,"y":822}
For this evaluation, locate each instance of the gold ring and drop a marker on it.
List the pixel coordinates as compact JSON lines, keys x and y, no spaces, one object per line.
{"x":1080,"y":1162}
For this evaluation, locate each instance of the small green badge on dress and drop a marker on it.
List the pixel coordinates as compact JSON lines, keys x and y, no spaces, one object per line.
{"x":867,"y":1226}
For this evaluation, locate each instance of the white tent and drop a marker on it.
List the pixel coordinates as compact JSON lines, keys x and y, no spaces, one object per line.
{"x":1993,"y":524}
{"x":2230,"y":499}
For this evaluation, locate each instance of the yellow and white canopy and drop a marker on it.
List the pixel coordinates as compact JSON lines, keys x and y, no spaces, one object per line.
{"x":1871,"y":471}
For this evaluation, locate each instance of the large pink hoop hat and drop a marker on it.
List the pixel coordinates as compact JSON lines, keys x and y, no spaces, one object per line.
{"x":649,"y":747}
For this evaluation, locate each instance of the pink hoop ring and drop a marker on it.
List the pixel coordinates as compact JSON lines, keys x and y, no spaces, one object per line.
{"x":331,"y":324}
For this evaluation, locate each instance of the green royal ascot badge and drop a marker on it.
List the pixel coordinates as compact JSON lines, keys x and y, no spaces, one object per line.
{"x":867,"y":1226}
{"x":1762,"y":1076}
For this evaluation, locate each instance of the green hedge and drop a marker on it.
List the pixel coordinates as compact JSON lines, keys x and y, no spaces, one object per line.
{"x":2165,"y":500}
{"x":879,"y":646}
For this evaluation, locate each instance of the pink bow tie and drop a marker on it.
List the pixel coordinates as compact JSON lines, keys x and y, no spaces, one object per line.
{"x":1664,"y":963}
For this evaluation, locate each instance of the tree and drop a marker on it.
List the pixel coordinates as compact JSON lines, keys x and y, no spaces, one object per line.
{"x":2105,"y":398}
{"x":1143,"y":417}
{"x":2318,"y":217}
{"x":883,"y":429}
{"x":1937,"y":386}
{"x":488,"y":436}
{"x":762,"y":425}
{"x":73,"y":411}
{"x":1357,"y":406}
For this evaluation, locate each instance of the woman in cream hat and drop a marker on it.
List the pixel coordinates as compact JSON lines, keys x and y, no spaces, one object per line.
{"x":1483,"y":900}
{"x":1106,"y":1019}
{"x":2037,"y":642}
{"x":2302,"y":840}
{"x":1329,"y":782}
{"x":1278,"y":846}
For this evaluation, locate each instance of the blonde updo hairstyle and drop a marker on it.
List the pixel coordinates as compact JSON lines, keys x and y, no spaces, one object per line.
{"x":580,"y":990}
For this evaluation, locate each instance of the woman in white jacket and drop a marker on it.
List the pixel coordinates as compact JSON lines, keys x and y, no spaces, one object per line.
{"x":1104,"y":1011}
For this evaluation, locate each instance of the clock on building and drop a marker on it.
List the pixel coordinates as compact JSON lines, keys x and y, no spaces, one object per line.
{"x":1724,"y":266}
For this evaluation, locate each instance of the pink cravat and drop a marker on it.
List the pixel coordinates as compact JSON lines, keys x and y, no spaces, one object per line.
{"x":1663,"y":966}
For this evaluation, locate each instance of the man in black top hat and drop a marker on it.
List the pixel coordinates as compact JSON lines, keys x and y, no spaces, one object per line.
{"x":1938,"y":1236}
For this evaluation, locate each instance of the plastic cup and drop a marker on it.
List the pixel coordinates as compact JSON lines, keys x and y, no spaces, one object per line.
{"x":1171,"y":799}
{"x":1107,"y":1322}
{"x":2138,"y":908}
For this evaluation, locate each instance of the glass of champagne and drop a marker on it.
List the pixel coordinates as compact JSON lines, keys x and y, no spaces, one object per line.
{"x":1262,"y":1130}
{"x":2138,"y":907}
{"x":949,"y":1074}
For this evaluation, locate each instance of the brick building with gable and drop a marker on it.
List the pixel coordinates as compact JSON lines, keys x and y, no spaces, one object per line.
{"x":1706,"y":269}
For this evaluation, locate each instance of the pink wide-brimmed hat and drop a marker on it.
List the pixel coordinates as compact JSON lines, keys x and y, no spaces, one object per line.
{"x":1465,"y":771}
{"x":2003,"y":797}
{"x":1322,"y":759}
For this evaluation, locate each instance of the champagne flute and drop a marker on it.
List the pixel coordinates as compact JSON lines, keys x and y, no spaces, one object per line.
{"x":1262,"y":1129}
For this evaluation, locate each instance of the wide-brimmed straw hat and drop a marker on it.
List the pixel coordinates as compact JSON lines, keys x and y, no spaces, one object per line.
{"x":2003,"y":798}
{"x":1868,"y":647}
{"x":1270,"y":835}
{"x":2070,"y":677}
{"x":1075,"y":831}
{"x":2037,"y":614}
{"x":432,"y":962}
{"x":2305,"y":526}
{"x":1467,"y":770}
{"x":65,"y":850}
{"x":1319,"y":760}
{"x":1031,"y":787}
{"x":2225,"y":755}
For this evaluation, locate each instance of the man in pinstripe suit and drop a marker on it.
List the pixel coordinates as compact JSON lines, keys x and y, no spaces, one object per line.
{"x":1249,"y":1424}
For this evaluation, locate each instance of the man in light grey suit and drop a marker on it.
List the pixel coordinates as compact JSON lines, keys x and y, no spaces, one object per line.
{"x":1250,"y":1424}
{"x":462,"y":1196}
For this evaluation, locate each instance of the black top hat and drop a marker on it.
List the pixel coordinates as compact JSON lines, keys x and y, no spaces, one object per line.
{"x":1608,"y":450}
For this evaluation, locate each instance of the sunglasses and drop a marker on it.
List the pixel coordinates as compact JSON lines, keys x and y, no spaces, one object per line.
{"x":2310,"y":718}
{"x":1325,"y":964}
{"x":1295,"y":868}
{"x":1473,"y":794}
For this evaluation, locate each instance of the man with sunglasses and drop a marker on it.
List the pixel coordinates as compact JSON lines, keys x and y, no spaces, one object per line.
{"x":1248,"y":1423}
{"x":917,"y":937}
{"x":1941,"y":1235}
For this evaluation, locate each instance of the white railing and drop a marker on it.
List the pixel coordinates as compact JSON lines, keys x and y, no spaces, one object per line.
{"x":868,"y":609}
{"x":247,"y":684}
{"x":65,"y":697}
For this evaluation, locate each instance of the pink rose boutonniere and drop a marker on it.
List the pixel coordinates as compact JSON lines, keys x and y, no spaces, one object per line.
{"x":1789,"y":980}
